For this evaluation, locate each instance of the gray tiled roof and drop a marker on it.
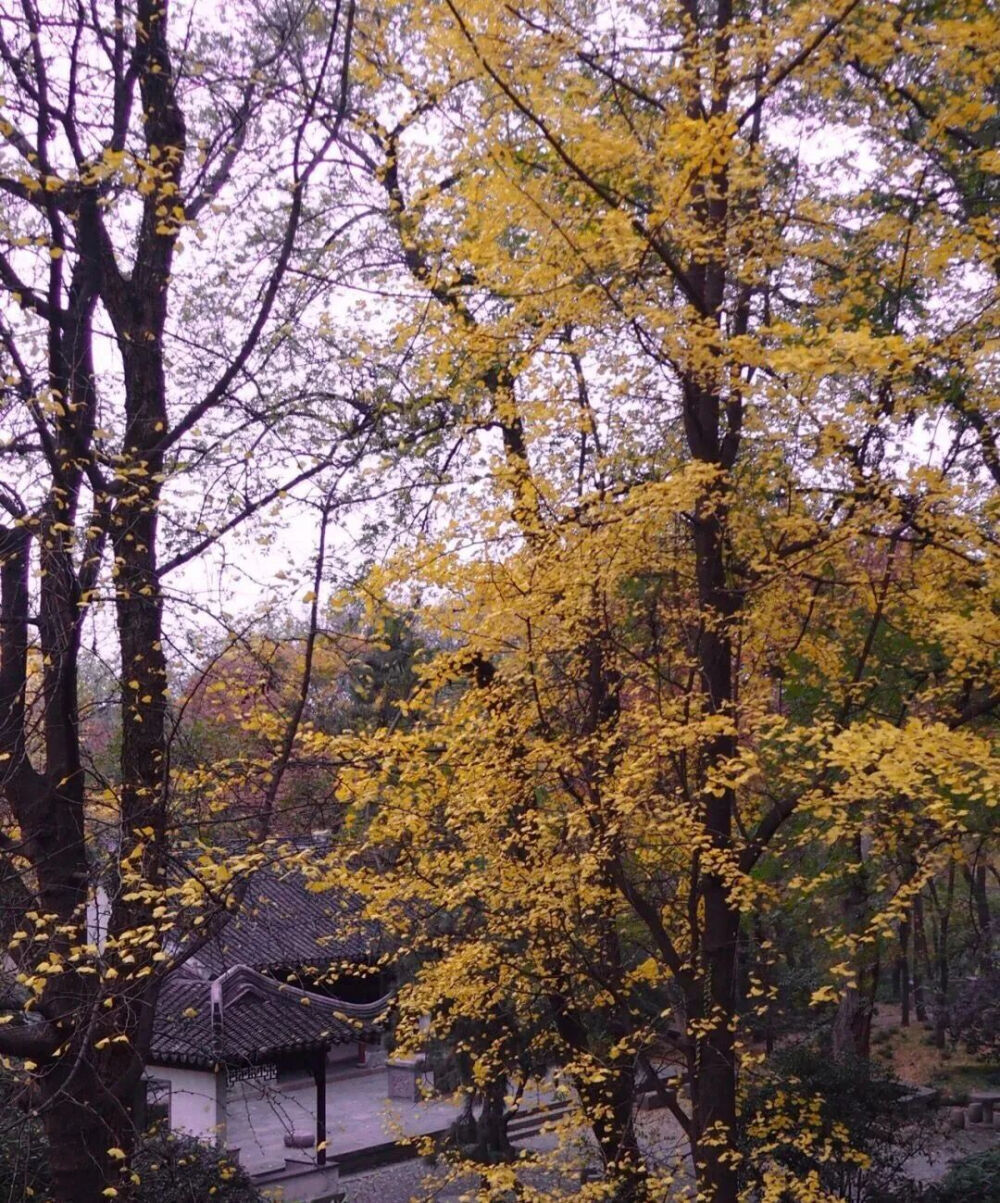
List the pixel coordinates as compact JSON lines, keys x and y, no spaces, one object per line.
{"x":256,"y":1019}
{"x":281,"y":924}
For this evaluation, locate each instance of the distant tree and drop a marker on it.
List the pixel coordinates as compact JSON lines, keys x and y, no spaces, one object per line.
{"x":974,"y":1017}
{"x":233,"y":714}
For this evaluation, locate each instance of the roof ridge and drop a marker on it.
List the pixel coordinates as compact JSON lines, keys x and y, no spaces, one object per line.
{"x":246,"y":974}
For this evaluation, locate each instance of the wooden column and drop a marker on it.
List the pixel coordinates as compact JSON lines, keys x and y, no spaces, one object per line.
{"x":221,"y":1106}
{"x":319,"y":1074}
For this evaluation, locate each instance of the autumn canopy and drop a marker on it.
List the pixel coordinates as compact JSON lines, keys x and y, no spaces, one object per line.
{"x":641,"y":358}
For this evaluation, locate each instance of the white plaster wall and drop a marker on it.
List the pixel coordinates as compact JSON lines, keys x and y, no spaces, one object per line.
{"x":192,"y":1100}
{"x":98,"y":914}
{"x":341,"y":1053}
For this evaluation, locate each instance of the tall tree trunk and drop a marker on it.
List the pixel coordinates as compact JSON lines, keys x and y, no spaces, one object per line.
{"x":612,"y":1104}
{"x":490,"y":1125}
{"x":101,"y":1018}
{"x":608,"y":1103}
{"x":852,"y":1025}
{"x":921,"y":960}
{"x":712,"y":1060}
{"x":942,"y":909}
{"x":904,"y":972}
{"x":713,"y":998}
{"x":975,"y":877}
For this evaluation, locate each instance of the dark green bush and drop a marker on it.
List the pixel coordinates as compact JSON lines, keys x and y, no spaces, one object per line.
{"x":974,"y":1017}
{"x":973,"y":1178}
{"x":171,"y":1168}
{"x":180,"y":1169}
{"x":862,"y":1110}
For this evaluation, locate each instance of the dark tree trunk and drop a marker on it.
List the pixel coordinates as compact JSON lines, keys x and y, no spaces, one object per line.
{"x":979,"y":897}
{"x":942,"y":910}
{"x":491,"y":1139}
{"x":712,"y":999}
{"x":609,"y":1106}
{"x":92,"y":1036}
{"x":852,"y":1024}
{"x":94,"y":1017}
{"x":712,"y":1059}
{"x":612,"y":1104}
{"x":921,"y":960}
{"x":713,"y":418}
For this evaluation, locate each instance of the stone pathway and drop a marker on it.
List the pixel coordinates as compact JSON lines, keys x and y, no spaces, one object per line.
{"x":358,"y":1114}
{"x":951,"y":1146}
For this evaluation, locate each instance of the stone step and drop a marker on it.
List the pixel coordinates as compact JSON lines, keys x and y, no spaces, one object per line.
{"x":524,"y":1125}
{"x":537,"y":1116}
{"x":530,"y":1123}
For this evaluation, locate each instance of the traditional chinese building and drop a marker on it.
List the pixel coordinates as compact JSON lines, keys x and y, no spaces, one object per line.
{"x":229,"y":1053}
{"x":251,"y":1034}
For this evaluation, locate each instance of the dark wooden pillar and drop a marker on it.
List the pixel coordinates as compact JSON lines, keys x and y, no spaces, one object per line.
{"x":221,"y":1106}
{"x":319,"y":1074}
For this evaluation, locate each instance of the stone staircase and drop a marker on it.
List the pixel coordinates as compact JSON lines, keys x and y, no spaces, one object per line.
{"x":530,"y":1123}
{"x":523,"y":1126}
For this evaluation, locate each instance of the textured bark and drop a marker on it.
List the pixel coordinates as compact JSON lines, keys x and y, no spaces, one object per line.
{"x":979,"y":896}
{"x":712,"y":1064}
{"x":904,"y":972}
{"x":852,"y":1024}
{"x":491,"y":1139}
{"x":921,"y":960}
{"x":613,"y":1103}
{"x":86,"y":1080}
{"x":942,"y":954}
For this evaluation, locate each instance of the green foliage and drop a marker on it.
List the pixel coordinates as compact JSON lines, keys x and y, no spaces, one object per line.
{"x":974,"y":1018}
{"x":180,"y":1169}
{"x":844,"y":1121}
{"x":170,"y":1168}
{"x":23,"y":1152}
{"x":973,"y":1178}
{"x":384,"y":674}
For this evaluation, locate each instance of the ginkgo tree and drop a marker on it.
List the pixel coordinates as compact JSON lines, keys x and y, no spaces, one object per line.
{"x":716,"y":555}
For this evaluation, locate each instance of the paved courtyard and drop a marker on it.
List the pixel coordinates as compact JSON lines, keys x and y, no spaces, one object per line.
{"x":358,"y":1115}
